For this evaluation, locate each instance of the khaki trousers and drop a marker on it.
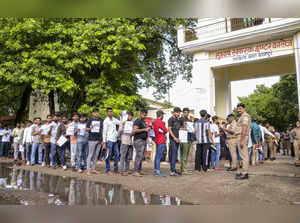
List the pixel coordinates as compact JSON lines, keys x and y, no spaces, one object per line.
{"x":244,"y":155}
{"x":232,"y":143}
{"x":269,"y":147}
{"x":253,"y":155}
{"x":296,"y":149}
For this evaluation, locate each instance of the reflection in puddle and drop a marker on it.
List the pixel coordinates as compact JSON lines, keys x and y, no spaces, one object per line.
{"x":73,"y":191}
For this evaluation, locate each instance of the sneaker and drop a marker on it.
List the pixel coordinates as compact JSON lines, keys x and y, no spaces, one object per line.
{"x":43,"y":164}
{"x":28,"y":163}
{"x":79,"y":171}
{"x":238,"y":175}
{"x":65,"y":167}
{"x":242,"y":177}
{"x":232,"y":169}
{"x":174,"y":174}
{"x":159,"y":175}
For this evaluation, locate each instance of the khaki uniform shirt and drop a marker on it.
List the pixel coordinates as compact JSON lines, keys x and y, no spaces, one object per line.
{"x":232,"y":128}
{"x":245,"y":119}
{"x":296,"y":133}
{"x":268,"y":137}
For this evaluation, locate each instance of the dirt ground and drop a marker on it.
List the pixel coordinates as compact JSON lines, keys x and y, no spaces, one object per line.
{"x":274,"y":183}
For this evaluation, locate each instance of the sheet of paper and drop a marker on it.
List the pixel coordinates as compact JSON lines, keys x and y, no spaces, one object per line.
{"x":81,"y":128}
{"x":96,"y":126}
{"x":45,"y":129}
{"x":128,"y":127}
{"x":190,"y":127}
{"x":61,"y":141}
{"x":183,"y":136}
{"x":70,"y":130}
{"x":21,"y":148}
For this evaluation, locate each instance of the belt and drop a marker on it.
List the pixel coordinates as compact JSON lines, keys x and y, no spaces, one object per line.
{"x":233,"y":137}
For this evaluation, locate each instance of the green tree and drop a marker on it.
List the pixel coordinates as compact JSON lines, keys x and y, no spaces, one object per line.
{"x":91,"y":62}
{"x":277,"y":104}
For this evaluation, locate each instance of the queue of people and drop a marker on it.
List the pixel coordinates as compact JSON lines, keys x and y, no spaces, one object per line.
{"x":244,"y":142}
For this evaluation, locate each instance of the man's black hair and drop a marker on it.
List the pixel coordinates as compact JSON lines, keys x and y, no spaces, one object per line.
{"x":108,"y":109}
{"x":241,"y":105}
{"x":37,"y":118}
{"x":144,"y":111}
{"x":49,"y":116}
{"x":186,"y":109}
{"x":203,"y":113}
{"x":130,"y":113}
{"x":214,"y":118}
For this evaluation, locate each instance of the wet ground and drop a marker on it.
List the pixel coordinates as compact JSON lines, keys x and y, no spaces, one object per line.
{"x":18,"y":186}
{"x":275,"y":183}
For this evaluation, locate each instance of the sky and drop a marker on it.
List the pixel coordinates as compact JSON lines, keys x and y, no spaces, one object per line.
{"x":238,"y":89}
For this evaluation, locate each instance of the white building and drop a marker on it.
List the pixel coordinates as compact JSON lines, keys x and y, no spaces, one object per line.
{"x":230,"y":49}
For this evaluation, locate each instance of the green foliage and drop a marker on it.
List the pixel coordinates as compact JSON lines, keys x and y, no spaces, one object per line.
{"x":277,"y":105}
{"x":92,"y":62}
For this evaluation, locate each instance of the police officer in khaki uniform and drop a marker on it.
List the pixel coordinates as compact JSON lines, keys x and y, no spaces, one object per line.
{"x":242,"y":133}
{"x":296,"y":135}
{"x":269,"y":150}
{"x":232,"y":142}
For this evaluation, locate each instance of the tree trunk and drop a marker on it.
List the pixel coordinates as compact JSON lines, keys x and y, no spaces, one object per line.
{"x":22,"y":111}
{"x":51,"y":102}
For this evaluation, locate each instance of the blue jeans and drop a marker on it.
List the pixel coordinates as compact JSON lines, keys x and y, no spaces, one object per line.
{"x":215,"y":156}
{"x":37,"y":147}
{"x":61,"y":152}
{"x":52,"y":153}
{"x":261,"y":155}
{"x":174,"y":154}
{"x":1,"y":149}
{"x":27,"y":151}
{"x":83,"y":148}
{"x":112,"y":146}
{"x":159,"y":153}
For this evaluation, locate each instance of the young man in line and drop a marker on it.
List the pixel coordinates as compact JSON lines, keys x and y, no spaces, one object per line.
{"x":1,"y":135}
{"x":140,"y":131}
{"x":204,"y":138}
{"x":242,"y":132}
{"x":17,"y":135}
{"x":54,"y":156}
{"x":95,"y":129}
{"x":46,"y":134}
{"x":264,"y":132}
{"x":186,"y":147}
{"x":37,"y":142}
{"x":256,"y":140}
{"x":160,"y":141}
{"x":174,"y":125}
{"x":269,"y":149}
{"x":6,"y":141}
{"x":73,"y":140}
{"x":27,"y":141}
{"x":82,"y":144}
{"x":110,"y":138}
{"x":61,"y":131}
{"x":126,"y":144}
{"x":215,"y":155}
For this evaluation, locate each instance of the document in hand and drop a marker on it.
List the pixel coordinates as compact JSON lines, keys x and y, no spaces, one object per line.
{"x":70,"y":130}
{"x":128,"y":127}
{"x":190,"y":127}
{"x":81,"y":128}
{"x":96,"y":126}
{"x":183,"y":136}
{"x":61,"y":141}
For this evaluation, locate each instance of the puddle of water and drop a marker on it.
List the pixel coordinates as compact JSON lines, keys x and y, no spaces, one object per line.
{"x":73,"y":191}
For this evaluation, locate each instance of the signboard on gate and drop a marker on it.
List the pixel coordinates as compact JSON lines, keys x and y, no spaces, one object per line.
{"x":252,"y":52}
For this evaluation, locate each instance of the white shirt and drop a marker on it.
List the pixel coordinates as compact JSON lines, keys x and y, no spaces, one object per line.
{"x":27,"y":138}
{"x":264,"y":131}
{"x":215,"y":130}
{"x":53,"y":131}
{"x":6,"y":138}
{"x":109,"y":129}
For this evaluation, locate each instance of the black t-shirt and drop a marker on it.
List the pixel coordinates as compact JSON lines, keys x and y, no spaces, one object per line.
{"x":176,"y":124}
{"x":98,"y":126}
{"x":191,"y":136}
{"x":140,"y":123}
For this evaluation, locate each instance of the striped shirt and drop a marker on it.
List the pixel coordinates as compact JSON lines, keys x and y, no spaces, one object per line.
{"x":202,"y":127}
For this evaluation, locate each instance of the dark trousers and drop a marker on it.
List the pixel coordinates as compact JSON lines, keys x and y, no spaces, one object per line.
{"x":202,"y":157}
{"x":47,"y":153}
{"x":174,"y":154}
{"x":5,"y":148}
{"x":292,"y":150}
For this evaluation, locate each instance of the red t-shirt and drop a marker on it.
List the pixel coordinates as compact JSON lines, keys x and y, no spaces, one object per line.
{"x":160,"y":131}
